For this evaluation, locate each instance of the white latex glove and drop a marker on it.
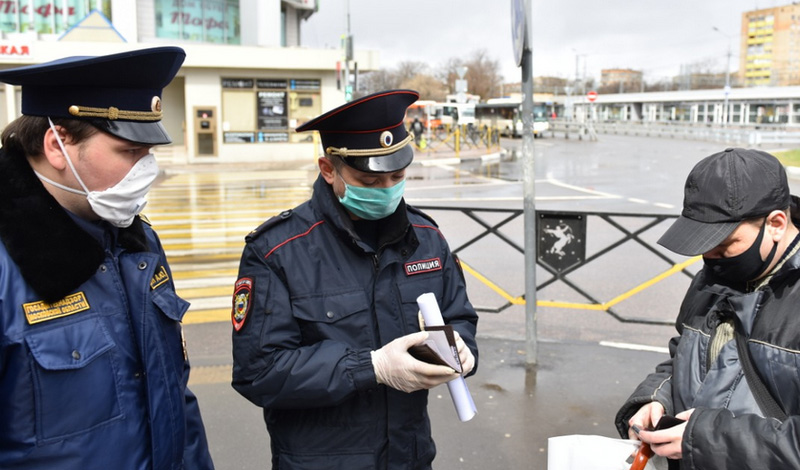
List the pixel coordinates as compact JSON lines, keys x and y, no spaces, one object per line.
{"x":395,"y":367}
{"x":464,"y":355}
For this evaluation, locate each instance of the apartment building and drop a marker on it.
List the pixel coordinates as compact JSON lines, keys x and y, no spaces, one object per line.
{"x":769,"y":52}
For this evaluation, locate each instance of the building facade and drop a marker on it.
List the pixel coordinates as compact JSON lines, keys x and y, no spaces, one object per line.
{"x":770,"y":48}
{"x":763,"y":107}
{"x":246,"y":83}
{"x":621,"y":80}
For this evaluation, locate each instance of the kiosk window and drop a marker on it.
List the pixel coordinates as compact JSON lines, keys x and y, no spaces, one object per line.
{"x":235,"y":107}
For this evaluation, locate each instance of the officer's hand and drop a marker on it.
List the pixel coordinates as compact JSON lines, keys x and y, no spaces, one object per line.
{"x":464,"y":355}
{"x":395,"y":367}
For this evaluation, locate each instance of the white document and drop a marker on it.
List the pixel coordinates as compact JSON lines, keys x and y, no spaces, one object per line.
{"x":462,"y":399}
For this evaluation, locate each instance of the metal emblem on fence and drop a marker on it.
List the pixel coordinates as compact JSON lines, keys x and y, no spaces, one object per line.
{"x":561,"y":240}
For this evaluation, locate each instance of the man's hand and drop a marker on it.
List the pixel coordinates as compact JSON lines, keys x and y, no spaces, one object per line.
{"x":668,"y":442}
{"x":645,"y":418}
{"x":395,"y":367}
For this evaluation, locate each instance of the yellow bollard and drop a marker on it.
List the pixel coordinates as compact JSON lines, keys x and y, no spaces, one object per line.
{"x":458,"y":140}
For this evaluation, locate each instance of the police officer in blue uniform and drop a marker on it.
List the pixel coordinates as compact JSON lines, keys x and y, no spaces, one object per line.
{"x":93,"y":367}
{"x":324,"y":310}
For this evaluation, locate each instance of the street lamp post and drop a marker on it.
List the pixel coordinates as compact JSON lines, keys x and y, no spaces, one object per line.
{"x":727,"y":79}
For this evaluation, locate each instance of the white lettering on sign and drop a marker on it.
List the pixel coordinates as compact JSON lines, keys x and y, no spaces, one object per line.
{"x":424,"y":266}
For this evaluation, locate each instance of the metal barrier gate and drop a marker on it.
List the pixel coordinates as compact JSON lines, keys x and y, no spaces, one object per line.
{"x":564,"y":224}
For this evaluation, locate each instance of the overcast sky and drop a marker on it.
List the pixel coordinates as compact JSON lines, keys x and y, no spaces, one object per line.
{"x":655,"y":36}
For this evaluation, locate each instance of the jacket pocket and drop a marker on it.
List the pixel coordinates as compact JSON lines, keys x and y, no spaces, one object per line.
{"x":169,"y":303}
{"x":340,"y":316}
{"x":75,"y":386}
{"x":409,"y":291}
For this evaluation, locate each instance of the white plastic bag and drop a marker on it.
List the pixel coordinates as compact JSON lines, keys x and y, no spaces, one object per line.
{"x":579,"y":452}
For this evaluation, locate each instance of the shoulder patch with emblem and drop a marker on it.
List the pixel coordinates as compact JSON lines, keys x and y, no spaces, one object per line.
{"x":460,"y":268}
{"x":159,"y":278}
{"x":242,"y":301}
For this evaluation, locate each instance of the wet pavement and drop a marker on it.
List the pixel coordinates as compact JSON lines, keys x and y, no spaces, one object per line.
{"x":576,"y":388}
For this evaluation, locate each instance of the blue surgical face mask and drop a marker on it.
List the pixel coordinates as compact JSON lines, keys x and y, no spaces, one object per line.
{"x":371,"y":203}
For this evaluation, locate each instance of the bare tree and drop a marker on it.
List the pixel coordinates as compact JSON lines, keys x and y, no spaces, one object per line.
{"x":483,"y":76}
{"x":410,"y":69}
{"x":429,"y":87}
{"x":376,"y":81}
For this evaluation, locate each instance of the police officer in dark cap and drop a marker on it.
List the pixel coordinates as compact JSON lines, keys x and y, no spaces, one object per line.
{"x":324,"y":310}
{"x":94,"y":369}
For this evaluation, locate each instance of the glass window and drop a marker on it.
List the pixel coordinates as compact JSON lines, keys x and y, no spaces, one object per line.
{"x":233,"y":102}
{"x":49,"y":16}
{"x":214,"y":21}
{"x":268,"y":109}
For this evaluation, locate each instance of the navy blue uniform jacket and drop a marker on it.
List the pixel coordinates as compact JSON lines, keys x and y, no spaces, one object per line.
{"x":313,"y":301}
{"x":92,"y":369}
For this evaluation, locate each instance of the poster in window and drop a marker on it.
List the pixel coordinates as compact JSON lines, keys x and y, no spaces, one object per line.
{"x":272,"y":110}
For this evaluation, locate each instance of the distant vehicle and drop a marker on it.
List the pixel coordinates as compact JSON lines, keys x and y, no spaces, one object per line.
{"x":505,"y":115}
{"x":427,"y":113}
{"x":457,"y":113}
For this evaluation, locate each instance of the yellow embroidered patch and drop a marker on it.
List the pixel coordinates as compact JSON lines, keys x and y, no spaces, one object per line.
{"x":37,"y":312}
{"x":160,"y":277}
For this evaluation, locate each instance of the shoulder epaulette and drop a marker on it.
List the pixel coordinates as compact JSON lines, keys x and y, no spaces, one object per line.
{"x":271,"y":222}
{"x":420,"y":213}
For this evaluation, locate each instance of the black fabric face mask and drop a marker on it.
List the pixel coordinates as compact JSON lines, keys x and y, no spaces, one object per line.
{"x":744,"y":267}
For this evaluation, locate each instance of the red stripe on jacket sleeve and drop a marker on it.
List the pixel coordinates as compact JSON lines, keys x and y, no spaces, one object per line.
{"x":293,"y":238}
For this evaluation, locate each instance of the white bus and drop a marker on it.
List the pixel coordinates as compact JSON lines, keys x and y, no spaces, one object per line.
{"x":457,"y":113}
{"x":505,"y":115}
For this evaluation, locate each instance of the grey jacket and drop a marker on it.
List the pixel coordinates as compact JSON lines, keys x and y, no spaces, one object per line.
{"x":727,"y":430}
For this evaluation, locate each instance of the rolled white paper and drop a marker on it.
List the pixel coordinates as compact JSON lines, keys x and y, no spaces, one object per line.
{"x":462,"y":399}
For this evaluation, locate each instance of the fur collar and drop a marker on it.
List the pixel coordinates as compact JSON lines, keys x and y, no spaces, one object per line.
{"x":53,"y":253}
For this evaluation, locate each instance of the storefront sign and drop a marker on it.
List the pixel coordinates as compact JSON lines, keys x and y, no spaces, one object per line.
{"x":14,"y":50}
{"x":214,"y":21}
{"x":47,"y":16}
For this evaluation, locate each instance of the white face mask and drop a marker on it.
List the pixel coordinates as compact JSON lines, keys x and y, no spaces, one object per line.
{"x":119,"y":204}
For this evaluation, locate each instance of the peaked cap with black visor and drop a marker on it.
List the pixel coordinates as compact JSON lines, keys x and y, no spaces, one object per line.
{"x":369,"y":134}
{"x":118,"y":93}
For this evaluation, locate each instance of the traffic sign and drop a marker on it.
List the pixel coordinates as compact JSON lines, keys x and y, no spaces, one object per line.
{"x":519,"y":29}
{"x":591,"y":96}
